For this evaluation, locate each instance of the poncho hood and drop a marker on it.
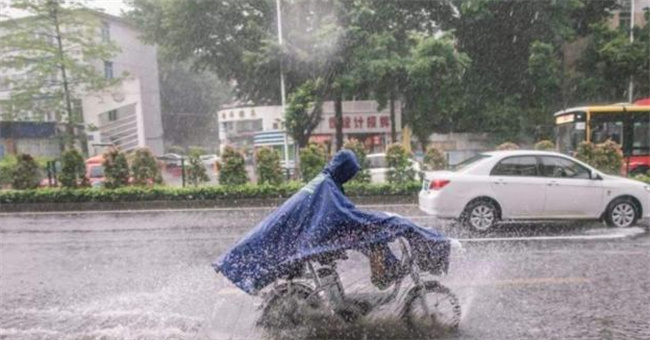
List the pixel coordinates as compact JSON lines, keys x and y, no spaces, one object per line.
{"x":342,"y":167}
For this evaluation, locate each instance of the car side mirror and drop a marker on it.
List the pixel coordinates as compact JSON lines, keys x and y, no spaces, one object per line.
{"x":594,"y":175}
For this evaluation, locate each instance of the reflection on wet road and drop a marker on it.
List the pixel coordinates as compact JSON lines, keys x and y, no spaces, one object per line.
{"x":148,"y":275}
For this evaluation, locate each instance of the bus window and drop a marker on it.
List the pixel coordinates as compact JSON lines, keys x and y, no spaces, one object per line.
{"x":641,"y":134}
{"x":602,"y":131}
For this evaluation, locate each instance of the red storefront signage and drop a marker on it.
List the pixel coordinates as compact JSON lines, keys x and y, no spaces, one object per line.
{"x":362,"y":122}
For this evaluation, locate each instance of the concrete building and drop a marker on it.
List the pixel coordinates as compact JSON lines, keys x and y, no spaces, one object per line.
{"x":250,"y":126}
{"x":127,"y":115}
{"x":623,"y":16}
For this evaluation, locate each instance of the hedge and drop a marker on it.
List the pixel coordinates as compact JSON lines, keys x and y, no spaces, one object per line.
{"x":162,"y":193}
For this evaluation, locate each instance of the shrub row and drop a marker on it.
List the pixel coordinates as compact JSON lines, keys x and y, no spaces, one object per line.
{"x":161,"y":193}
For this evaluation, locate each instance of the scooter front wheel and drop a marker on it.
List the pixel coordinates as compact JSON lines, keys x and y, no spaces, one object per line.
{"x":432,"y":307}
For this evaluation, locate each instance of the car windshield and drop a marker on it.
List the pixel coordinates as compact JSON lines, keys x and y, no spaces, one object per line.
{"x":468,"y":162}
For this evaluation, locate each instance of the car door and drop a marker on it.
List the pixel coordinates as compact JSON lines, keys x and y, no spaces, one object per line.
{"x":570,"y":191}
{"x":519,"y":187}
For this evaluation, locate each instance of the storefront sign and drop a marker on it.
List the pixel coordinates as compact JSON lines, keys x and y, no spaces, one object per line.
{"x":362,"y":122}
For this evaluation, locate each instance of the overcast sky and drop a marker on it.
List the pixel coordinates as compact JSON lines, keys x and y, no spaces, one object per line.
{"x":113,"y":7}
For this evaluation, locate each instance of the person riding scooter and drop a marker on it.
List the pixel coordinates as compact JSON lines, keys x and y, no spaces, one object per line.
{"x":320,"y":221}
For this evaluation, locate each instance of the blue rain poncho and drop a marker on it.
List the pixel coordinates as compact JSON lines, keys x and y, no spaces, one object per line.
{"x":319,"y":220}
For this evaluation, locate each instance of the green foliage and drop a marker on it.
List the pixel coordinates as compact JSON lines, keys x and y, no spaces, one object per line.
{"x":304,"y":111}
{"x":144,"y":168}
{"x":58,"y":47}
{"x":609,"y":60}
{"x":435,"y":72}
{"x":606,"y":157}
{"x":116,"y":169}
{"x":195,"y":170}
{"x":508,"y":146}
{"x":162,"y":193}
{"x":232,"y":169}
{"x":268,"y":166}
{"x":363,"y":176}
{"x":73,"y":169}
{"x":25,"y":173}
{"x":399,"y":167}
{"x":545,"y":145}
{"x":6,"y":164}
{"x":312,"y":161}
{"x":434,"y":159}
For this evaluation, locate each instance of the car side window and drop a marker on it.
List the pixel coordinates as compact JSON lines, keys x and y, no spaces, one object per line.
{"x":524,"y":166}
{"x":377,"y":162}
{"x":557,"y":167}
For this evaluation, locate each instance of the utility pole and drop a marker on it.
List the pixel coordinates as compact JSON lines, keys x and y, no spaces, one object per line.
{"x":282,"y":89}
{"x":630,"y":91}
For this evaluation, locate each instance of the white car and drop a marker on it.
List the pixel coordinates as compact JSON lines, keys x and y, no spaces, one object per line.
{"x":379,"y":169}
{"x":532,"y":186}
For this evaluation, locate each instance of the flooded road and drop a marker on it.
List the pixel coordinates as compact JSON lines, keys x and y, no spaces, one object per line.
{"x":147,"y":275}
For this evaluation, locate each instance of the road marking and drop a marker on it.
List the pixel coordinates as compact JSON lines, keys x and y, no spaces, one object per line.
{"x":623,"y":233}
{"x":520,"y":282}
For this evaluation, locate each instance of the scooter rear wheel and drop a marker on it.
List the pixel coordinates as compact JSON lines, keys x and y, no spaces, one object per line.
{"x":287,"y":307}
{"x":432,"y":307}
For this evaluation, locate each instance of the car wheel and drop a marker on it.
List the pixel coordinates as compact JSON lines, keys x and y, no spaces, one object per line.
{"x":480,"y":215}
{"x":622,"y":213}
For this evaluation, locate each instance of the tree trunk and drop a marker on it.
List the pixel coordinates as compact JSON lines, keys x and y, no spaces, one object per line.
{"x":54,"y":15}
{"x":393,"y":128}
{"x":338,"y":120}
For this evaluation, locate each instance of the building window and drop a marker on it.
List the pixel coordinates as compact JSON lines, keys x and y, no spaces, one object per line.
{"x":108,"y":69}
{"x":624,"y":20}
{"x":275,"y":126}
{"x":241,"y":114}
{"x":112,"y":115}
{"x":106,"y":32}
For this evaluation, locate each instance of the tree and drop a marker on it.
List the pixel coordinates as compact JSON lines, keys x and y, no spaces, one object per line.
{"x":610,"y":59}
{"x":312,"y":161}
{"x":399,"y":167}
{"x":144,"y":168}
{"x":232,"y":169}
{"x":545,"y":145}
{"x":116,"y":169}
{"x":434,"y":160}
{"x":507,"y":146}
{"x":268,"y":166}
{"x":196,"y":172}
{"x":25,"y":173}
{"x":304,"y":112}
{"x":545,"y":72}
{"x":435,"y":71}
{"x":484,"y":29}
{"x":73,"y":169}
{"x":55,"y":49}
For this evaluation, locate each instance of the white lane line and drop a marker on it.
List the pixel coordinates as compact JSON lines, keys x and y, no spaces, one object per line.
{"x":618,"y":235}
{"x":171,"y":210}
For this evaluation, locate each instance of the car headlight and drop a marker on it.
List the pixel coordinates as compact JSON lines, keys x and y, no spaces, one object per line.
{"x":647,"y":188}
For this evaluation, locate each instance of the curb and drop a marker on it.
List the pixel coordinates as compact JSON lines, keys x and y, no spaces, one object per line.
{"x":6,"y":208}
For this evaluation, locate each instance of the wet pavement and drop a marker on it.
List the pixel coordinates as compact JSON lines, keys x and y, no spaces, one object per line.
{"x":147,"y":275}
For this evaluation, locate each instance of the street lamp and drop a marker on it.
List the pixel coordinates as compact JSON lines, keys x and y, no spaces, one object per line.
{"x":282,"y":88}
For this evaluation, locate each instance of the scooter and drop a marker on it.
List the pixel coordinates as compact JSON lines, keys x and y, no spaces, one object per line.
{"x":316,"y":288}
